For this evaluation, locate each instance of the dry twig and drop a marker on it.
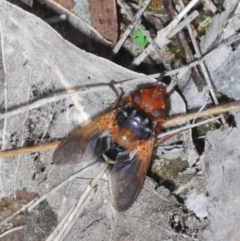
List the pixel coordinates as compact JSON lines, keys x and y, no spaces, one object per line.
{"x":162,"y":38}
{"x":173,"y":132}
{"x":11,"y":230}
{"x":29,"y":149}
{"x":202,"y":59}
{"x":171,"y":122}
{"x":130,"y":27}
{"x":211,"y":6}
{"x":94,"y":87}
{"x":202,"y":65}
{"x":22,"y":209}
{"x":185,"y":49}
{"x":146,"y":33}
{"x":69,"y":220}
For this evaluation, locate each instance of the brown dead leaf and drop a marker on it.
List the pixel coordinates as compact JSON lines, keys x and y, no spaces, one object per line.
{"x":104,"y":18}
{"x":100,"y":15}
{"x":66,"y":3}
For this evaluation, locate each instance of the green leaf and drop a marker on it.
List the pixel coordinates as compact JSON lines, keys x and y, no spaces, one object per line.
{"x":139,"y":38}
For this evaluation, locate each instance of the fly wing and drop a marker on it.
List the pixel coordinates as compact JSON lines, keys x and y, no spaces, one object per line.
{"x":83,"y":140}
{"x":128,"y":175}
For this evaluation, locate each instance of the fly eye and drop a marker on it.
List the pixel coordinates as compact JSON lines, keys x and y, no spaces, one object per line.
{"x":159,"y":113}
{"x":137,"y":99}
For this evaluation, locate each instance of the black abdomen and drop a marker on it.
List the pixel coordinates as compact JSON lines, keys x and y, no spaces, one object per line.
{"x":105,"y":145}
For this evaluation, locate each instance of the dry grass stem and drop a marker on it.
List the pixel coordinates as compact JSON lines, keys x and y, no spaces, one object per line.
{"x":126,"y":9}
{"x":173,"y":132}
{"x":34,"y":203}
{"x":59,"y":97}
{"x":203,"y":65}
{"x":183,"y":24}
{"x":211,"y":6}
{"x":90,"y":88}
{"x":69,"y":220}
{"x":130,"y":27}
{"x":11,"y":230}
{"x":202,"y":59}
{"x":209,"y":112}
{"x":161,"y":38}
{"x":171,"y":122}
{"x":29,"y":149}
{"x":23,"y":208}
